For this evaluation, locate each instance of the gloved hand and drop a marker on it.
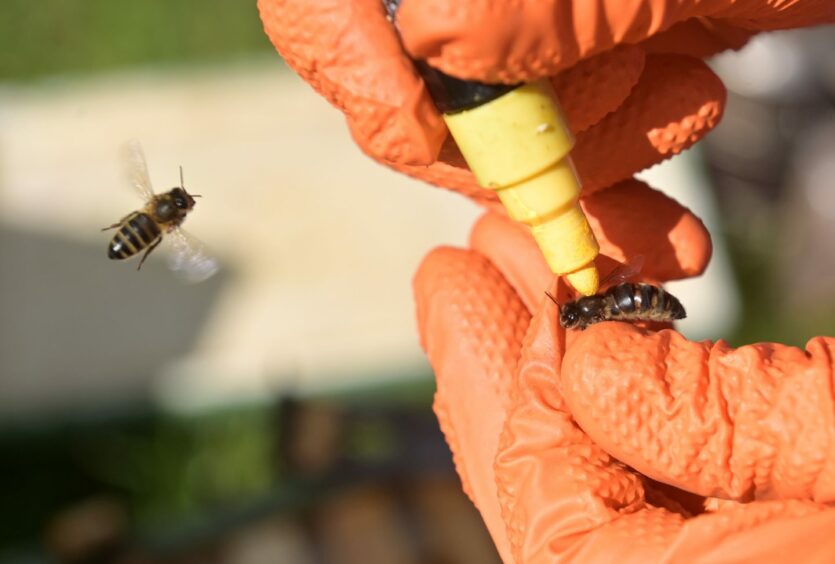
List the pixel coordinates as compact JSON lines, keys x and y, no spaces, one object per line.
{"x":627,"y":73}
{"x":601,"y":445}
{"x":690,"y":419}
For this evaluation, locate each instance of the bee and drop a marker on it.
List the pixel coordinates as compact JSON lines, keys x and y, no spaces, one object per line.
{"x":163,"y":214}
{"x":624,"y":302}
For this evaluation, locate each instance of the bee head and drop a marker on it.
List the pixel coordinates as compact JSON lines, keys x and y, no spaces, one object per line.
{"x":570,"y":316}
{"x":182,"y":199}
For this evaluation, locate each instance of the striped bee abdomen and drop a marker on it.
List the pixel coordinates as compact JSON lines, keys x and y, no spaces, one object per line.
{"x":136,"y":233}
{"x":643,"y":302}
{"x":624,"y":302}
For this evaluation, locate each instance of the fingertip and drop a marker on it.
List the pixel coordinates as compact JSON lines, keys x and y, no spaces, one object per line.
{"x":631,"y":219}
{"x":692,"y":245}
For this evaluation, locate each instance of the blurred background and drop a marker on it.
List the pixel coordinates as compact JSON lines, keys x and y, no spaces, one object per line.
{"x":281,"y":411}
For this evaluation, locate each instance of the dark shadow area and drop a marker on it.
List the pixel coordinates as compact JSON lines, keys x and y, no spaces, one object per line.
{"x":80,"y":331}
{"x":336,"y":479}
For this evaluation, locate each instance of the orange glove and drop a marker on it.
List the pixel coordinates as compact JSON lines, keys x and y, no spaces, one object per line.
{"x":569,"y":442}
{"x":626,"y":72}
{"x":751,"y":424}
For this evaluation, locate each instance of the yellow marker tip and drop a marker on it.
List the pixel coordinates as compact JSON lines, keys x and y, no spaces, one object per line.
{"x":586,"y":280}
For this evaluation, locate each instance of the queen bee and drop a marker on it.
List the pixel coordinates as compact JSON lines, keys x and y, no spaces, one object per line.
{"x":143,"y":230}
{"x":626,"y":301}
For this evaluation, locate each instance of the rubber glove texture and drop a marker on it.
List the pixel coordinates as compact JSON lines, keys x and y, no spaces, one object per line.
{"x":602,"y":445}
{"x":627,"y":72}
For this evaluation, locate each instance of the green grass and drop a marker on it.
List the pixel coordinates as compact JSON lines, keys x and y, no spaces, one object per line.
{"x":49,"y":37}
{"x":164,"y":467}
{"x":765,"y":318}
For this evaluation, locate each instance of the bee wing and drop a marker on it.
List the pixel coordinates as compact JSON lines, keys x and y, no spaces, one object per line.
{"x":624,"y":272}
{"x":189,"y":259}
{"x":136,"y":171}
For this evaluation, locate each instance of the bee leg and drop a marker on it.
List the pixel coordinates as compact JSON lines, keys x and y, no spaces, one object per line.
{"x":148,"y":252}
{"x":117,"y":224}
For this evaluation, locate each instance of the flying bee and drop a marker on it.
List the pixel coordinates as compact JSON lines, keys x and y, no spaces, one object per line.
{"x":624,"y":302}
{"x":163,"y":214}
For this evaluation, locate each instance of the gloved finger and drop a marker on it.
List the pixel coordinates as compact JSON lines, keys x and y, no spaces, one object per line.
{"x":349,"y":52}
{"x":597,"y":86}
{"x":629,"y":219}
{"x":757,"y":422}
{"x":634,"y":219}
{"x":529,"y":39}
{"x":471,"y":324}
{"x":676,"y":101}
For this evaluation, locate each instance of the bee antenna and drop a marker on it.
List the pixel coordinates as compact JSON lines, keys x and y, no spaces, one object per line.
{"x":183,"y":185}
{"x":553,"y":299}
